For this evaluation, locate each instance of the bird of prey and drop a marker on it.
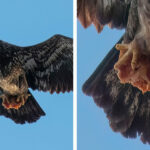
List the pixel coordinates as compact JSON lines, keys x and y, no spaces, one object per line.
{"x":127,"y":108}
{"x":47,"y":67}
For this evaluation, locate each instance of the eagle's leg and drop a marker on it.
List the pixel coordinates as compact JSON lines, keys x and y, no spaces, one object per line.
{"x":127,"y":51}
{"x":15,"y":102}
{"x":22,"y":98}
{"x":127,"y":60}
{"x":5,"y":101}
{"x":132,"y":66}
{"x":123,"y":49}
{"x":135,"y":57}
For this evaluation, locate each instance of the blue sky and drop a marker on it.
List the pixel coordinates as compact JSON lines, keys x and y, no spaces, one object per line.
{"x":94,"y":132}
{"x":24,"y":23}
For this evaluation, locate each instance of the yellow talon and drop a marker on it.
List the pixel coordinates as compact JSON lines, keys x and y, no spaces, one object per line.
{"x":122,"y":47}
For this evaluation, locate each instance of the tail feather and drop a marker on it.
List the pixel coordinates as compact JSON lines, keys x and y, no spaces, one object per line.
{"x":30,"y":112}
{"x":127,"y":109}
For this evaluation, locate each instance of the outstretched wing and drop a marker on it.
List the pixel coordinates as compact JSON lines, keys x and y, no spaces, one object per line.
{"x":102,"y":12}
{"x":49,"y":65}
{"x":127,"y":109}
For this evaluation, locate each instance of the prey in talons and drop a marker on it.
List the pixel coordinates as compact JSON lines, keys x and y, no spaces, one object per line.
{"x":127,"y":51}
{"x":132,"y":66}
{"x":16,"y":101}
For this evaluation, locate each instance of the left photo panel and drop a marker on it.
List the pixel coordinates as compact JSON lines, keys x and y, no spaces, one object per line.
{"x":36,"y":74}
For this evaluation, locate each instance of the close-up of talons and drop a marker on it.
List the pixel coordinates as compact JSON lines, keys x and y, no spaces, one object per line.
{"x":131,"y":67}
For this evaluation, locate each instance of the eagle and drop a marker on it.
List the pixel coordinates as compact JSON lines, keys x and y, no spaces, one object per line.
{"x":120,"y":84}
{"x":47,"y":67}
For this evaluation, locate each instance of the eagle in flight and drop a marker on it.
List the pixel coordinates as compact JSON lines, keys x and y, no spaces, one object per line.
{"x":47,"y":67}
{"x":127,"y":106}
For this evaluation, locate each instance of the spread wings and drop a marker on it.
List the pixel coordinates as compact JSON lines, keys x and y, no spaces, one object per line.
{"x":49,"y":65}
{"x":127,"y":109}
{"x":102,"y":12}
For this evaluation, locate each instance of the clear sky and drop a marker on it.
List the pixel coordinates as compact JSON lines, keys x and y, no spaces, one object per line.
{"x":28,"y":22}
{"x":94,"y":132}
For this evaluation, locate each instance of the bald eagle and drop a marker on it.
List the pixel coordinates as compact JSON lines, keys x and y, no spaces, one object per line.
{"x":126,"y":107}
{"x":47,"y":67}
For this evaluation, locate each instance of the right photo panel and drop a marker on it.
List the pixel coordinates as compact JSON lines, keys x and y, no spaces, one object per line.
{"x":113,"y":45}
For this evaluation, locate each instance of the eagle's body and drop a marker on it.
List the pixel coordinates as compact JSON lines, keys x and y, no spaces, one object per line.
{"x":45,"y":67}
{"x":15,"y":88}
{"x":127,"y":109}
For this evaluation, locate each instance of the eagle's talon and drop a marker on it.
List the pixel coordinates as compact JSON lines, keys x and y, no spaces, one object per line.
{"x":132,"y":66}
{"x":135,"y":58}
{"x":128,"y":53}
{"x":21,"y":99}
{"x":122,"y":48}
{"x":13,"y":101}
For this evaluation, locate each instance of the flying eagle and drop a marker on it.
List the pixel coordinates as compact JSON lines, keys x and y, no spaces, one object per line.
{"x":127,"y":108}
{"x":47,"y":67}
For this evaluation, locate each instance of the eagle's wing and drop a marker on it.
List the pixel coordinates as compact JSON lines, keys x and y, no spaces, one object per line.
{"x":49,"y":65}
{"x":127,"y":109}
{"x":30,"y":112}
{"x":102,"y":12}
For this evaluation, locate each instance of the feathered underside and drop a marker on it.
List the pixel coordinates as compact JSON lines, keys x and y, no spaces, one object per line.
{"x":127,"y":109}
{"x":103,"y":12}
{"x":47,"y":67}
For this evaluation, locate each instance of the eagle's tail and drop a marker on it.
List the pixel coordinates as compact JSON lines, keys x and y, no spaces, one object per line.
{"x":127,"y":109}
{"x":30,"y":112}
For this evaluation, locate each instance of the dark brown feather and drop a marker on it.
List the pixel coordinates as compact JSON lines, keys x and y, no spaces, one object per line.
{"x":51,"y":64}
{"x":102,"y":12}
{"x":48,"y":66}
{"x":127,"y":109}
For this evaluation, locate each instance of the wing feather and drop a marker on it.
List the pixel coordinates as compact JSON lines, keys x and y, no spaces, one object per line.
{"x":49,"y":65}
{"x":127,"y":109}
{"x":102,"y":12}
